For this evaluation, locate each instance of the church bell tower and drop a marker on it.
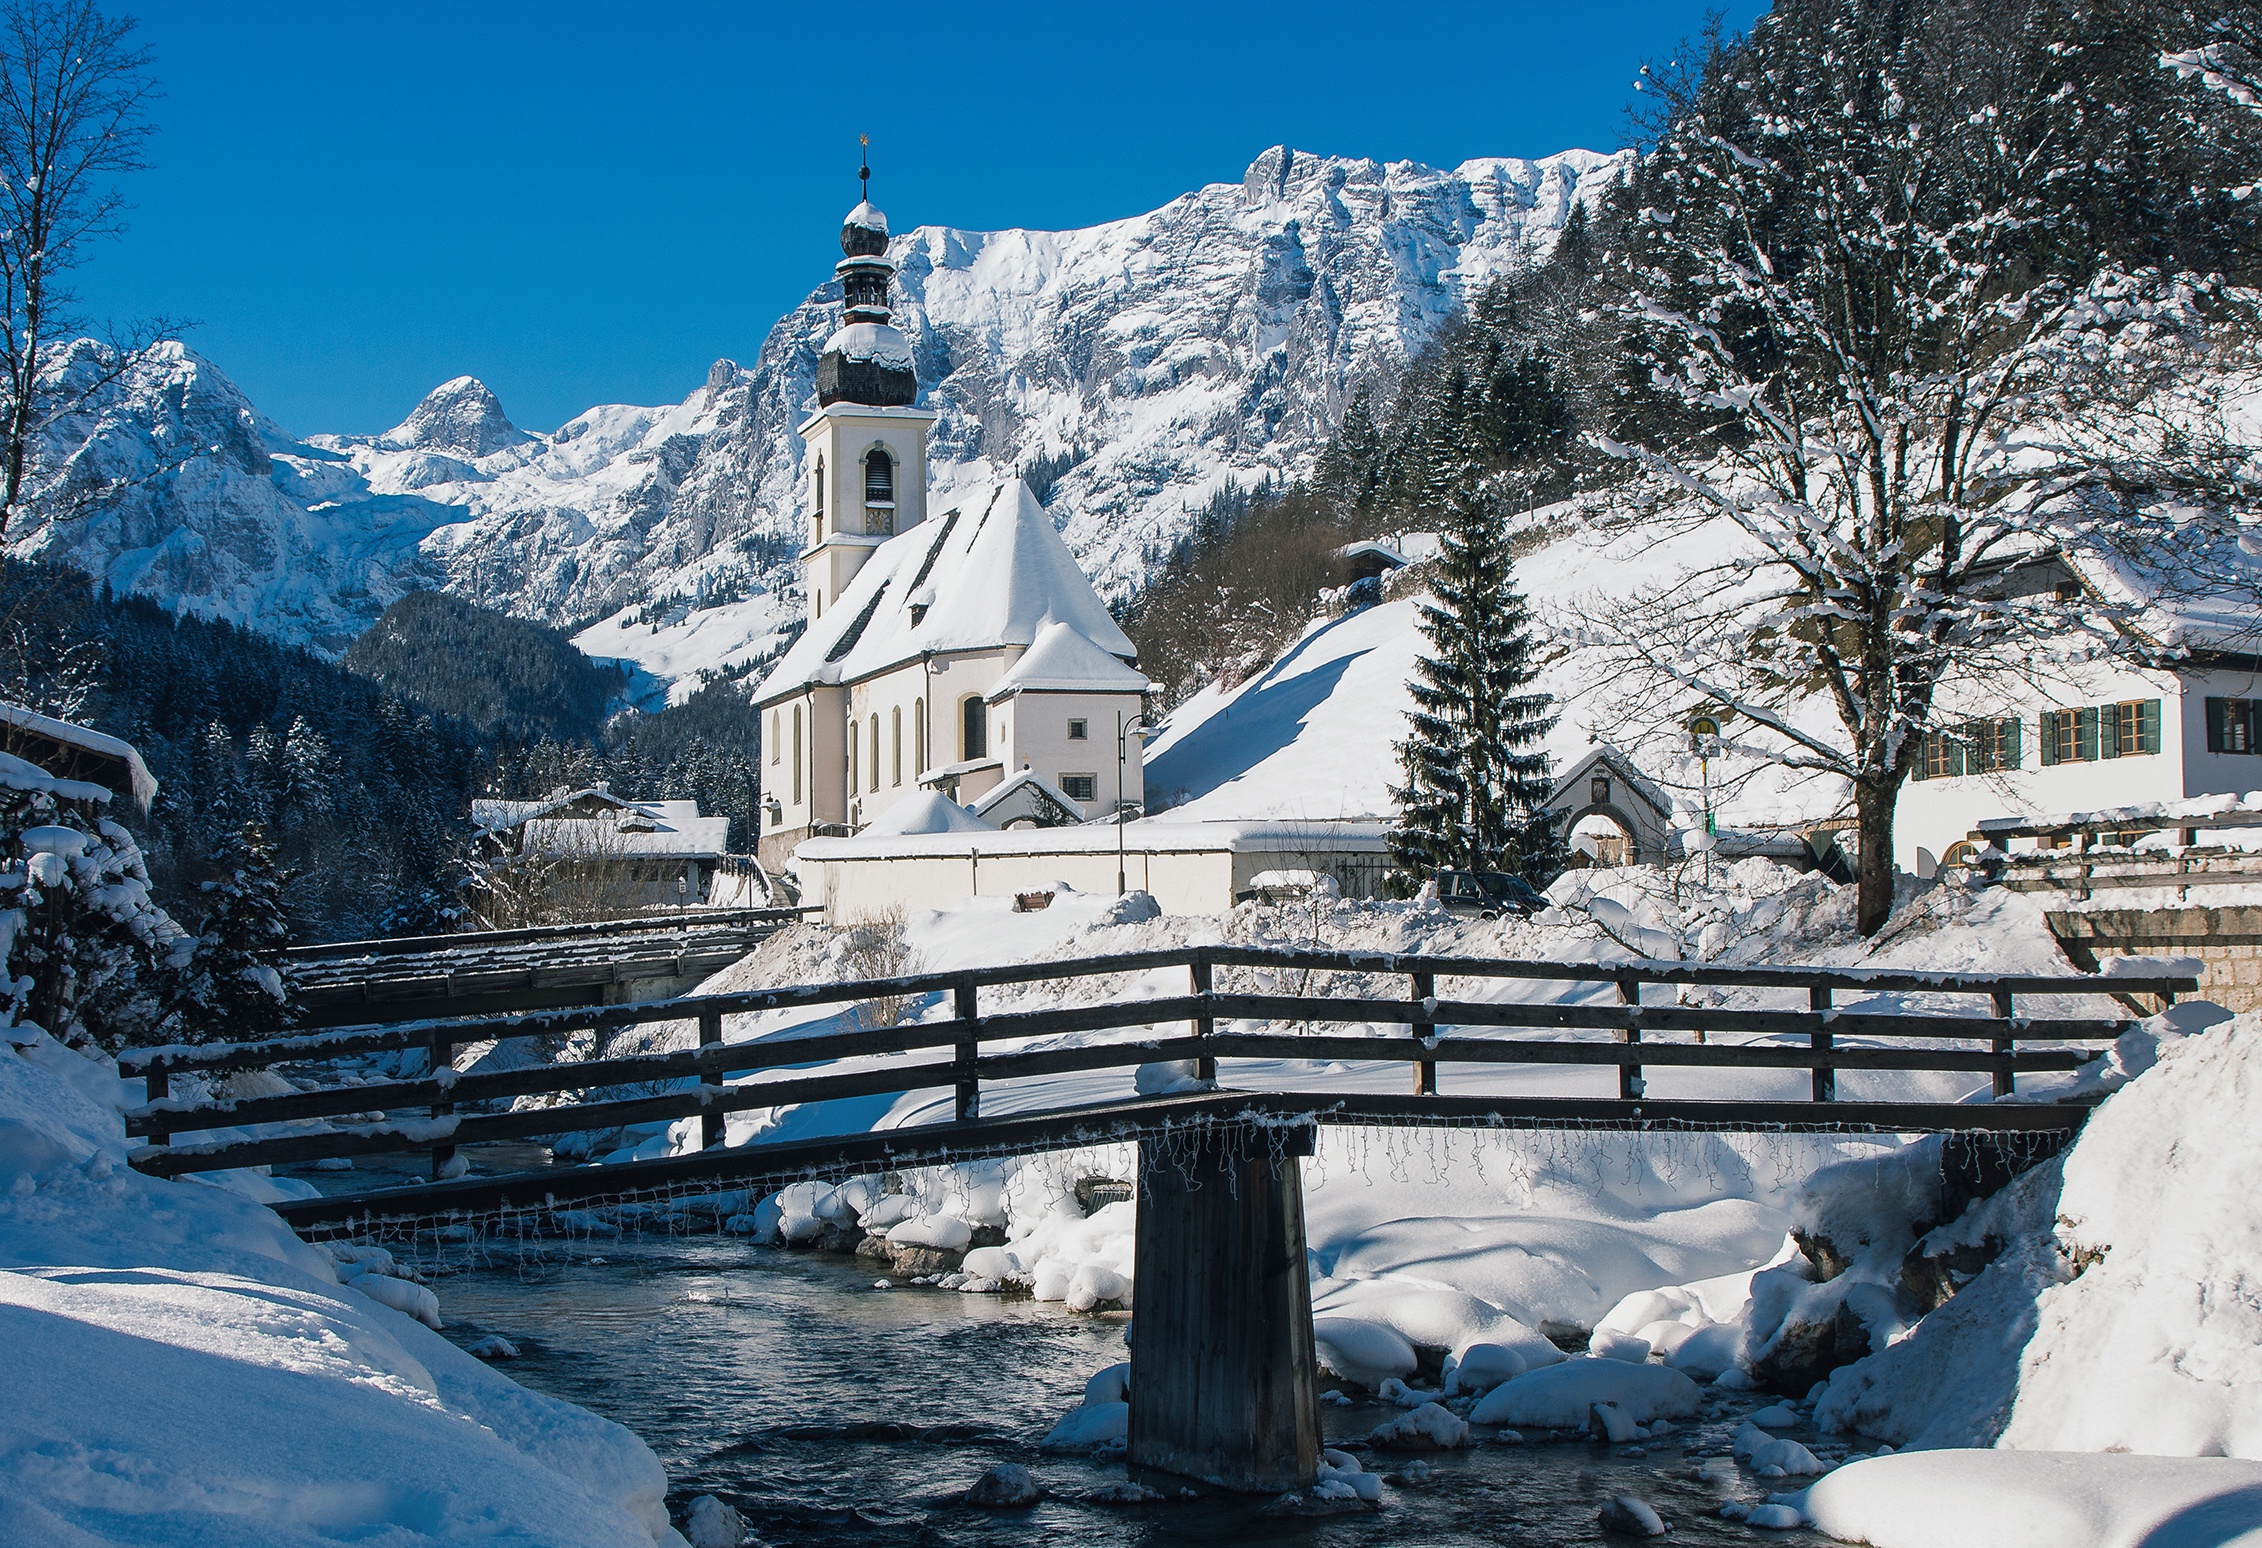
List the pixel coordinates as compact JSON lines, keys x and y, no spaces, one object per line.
{"x":864,"y":463}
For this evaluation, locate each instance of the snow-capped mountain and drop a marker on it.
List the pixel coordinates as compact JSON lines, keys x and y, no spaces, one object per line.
{"x":1216,"y":338}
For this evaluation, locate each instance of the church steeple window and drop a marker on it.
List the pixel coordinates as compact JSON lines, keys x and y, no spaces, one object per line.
{"x":879,"y":491}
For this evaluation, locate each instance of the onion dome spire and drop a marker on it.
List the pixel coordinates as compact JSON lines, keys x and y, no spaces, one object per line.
{"x":868,"y":361}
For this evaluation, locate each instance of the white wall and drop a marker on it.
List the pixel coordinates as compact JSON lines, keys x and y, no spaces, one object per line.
{"x":1183,"y":881}
{"x":1936,"y":813}
{"x":1039,"y":723}
{"x":2209,"y":773}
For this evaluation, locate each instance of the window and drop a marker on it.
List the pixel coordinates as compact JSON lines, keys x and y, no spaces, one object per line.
{"x":1972,"y":747}
{"x":817,"y":506}
{"x":797,"y":755}
{"x":852,"y":757}
{"x":1080,"y":787}
{"x":918,"y":736}
{"x":1078,"y":732}
{"x":2129,"y":729}
{"x":776,"y":751}
{"x":975,"y":740}
{"x":874,"y":782}
{"x":2231,"y":724}
{"x":895,"y":745}
{"x":879,"y":492}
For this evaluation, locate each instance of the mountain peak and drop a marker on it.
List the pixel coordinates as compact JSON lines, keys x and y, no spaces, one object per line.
{"x":462,"y":417}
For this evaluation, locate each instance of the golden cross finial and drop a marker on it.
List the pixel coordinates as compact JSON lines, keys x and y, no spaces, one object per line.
{"x":864,"y":173}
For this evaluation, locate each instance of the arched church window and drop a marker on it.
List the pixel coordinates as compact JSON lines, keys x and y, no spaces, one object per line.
{"x":976,"y":743}
{"x":797,"y":755}
{"x":895,"y":745}
{"x":852,"y":757}
{"x":879,"y":492}
{"x":874,"y":755}
{"x":918,"y":736}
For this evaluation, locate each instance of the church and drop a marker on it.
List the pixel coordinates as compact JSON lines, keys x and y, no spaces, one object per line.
{"x":963,"y":654}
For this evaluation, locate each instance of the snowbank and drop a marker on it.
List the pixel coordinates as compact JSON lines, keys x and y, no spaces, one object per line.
{"x":2041,"y":1499}
{"x":182,"y":1369}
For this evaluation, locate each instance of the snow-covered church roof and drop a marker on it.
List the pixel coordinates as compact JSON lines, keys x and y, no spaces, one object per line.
{"x":990,"y":573}
{"x":1062,"y":660}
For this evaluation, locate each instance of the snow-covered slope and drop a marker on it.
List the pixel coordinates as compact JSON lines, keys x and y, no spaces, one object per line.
{"x":1313,"y":737}
{"x":1217,"y":337}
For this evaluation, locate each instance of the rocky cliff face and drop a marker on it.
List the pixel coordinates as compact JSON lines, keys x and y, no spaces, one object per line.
{"x":1216,"y":338}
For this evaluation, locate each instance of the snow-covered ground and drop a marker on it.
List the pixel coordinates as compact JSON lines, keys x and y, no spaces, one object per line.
{"x":176,"y":1368}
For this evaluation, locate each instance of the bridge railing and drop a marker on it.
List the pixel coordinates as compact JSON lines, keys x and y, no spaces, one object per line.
{"x":705,"y":919}
{"x":427,"y":1111}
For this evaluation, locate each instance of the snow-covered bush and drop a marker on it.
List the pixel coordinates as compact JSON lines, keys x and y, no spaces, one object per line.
{"x":231,"y":988}
{"x":86,"y":955}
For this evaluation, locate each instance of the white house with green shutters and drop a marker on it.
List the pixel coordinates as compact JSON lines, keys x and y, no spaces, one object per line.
{"x":2091,"y":737}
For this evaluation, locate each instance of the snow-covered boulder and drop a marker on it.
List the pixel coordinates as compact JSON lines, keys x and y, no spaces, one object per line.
{"x":1562,"y":1397}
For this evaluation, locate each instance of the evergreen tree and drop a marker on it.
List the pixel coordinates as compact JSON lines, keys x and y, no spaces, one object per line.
{"x":1476,"y":775}
{"x":233,"y":991}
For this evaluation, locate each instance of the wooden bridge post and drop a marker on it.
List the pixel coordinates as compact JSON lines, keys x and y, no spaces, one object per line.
{"x":963,"y":994}
{"x":1825,"y":1078}
{"x":1631,"y":1086}
{"x":1223,"y":1384}
{"x":1205,"y":1067}
{"x":1423,"y":986}
{"x":710,"y":1034}
{"x":443,"y":1058}
{"x":2006,"y":1082}
{"x":160,"y":1084}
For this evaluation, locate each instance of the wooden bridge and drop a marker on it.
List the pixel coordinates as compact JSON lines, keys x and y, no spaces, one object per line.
{"x":490,"y":972}
{"x":1222,"y":1372}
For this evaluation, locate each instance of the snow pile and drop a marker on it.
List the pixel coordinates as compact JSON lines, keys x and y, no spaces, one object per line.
{"x":1563,"y":1397}
{"x":181,"y":1368}
{"x":2156,"y":1344}
{"x":2040,"y":1499}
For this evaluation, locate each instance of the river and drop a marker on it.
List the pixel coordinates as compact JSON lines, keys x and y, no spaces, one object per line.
{"x":832,"y":1413}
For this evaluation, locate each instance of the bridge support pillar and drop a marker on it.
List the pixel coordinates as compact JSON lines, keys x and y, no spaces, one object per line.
{"x":1223,"y":1389}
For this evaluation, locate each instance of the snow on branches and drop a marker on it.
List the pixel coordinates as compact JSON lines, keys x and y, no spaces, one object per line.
{"x":1913,"y":378}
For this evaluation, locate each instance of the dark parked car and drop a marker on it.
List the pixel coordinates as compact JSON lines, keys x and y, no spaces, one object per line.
{"x":1488,"y":894}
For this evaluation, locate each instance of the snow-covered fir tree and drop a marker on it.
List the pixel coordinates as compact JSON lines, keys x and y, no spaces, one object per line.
{"x":85,"y":955}
{"x":233,"y":990}
{"x":1476,"y":771}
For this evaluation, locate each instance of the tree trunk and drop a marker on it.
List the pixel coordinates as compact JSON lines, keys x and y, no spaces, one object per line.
{"x":1873,"y":874}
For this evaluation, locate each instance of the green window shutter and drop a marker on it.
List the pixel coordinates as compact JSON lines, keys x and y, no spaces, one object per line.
{"x":2148,"y":726}
{"x":2085,"y":734}
{"x":1923,"y":757}
{"x":2108,"y":731}
{"x":2048,"y":731}
{"x":2253,"y":711}
{"x":2217,"y":718}
{"x":1959,"y":751}
{"x":2012,"y":751}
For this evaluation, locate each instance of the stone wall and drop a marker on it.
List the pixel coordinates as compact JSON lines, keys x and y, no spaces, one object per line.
{"x":2228,"y":940}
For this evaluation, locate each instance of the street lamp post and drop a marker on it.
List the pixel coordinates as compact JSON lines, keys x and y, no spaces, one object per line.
{"x":1123,"y":730}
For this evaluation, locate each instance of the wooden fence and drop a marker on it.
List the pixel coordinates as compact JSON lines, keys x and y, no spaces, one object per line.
{"x":436,"y":1111}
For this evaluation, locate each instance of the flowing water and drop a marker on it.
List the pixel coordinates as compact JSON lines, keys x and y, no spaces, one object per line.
{"x":832,"y":1413}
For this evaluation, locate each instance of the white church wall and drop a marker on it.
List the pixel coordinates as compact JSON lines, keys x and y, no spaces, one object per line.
{"x":1041,"y":723}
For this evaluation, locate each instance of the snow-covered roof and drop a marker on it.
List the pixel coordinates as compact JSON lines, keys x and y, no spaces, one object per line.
{"x":1147,"y":836}
{"x":1382,"y":551}
{"x":2173,"y":605}
{"x":81,"y":750}
{"x":636,"y":835}
{"x":1065,"y":661}
{"x":868,"y":216}
{"x":1028,"y":796}
{"x":881,"y":343}
{"x":489,"y":814}
{"x":930,"y":811}
{"x":980,"y":577}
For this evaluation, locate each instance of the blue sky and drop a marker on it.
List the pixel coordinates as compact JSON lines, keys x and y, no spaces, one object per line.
{"x":585,"y":203}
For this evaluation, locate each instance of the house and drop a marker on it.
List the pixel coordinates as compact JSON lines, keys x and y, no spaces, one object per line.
{"x":612,"y":855}
{"x":944,"y":653}
{"x":2094,"y":734}
{"x":1613,"y":814}
{"x":65,"y":751}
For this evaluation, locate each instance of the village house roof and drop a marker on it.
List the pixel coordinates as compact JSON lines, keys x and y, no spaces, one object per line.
{"x":74,"y":753}
{"x":989,"y":574}
{"x":599,"y":824}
